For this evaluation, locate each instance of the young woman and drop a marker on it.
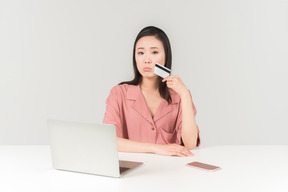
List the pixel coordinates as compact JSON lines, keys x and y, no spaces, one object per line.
{"x":151,"y":114}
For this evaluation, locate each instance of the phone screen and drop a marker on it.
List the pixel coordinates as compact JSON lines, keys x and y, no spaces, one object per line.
{"x":204,"y":166}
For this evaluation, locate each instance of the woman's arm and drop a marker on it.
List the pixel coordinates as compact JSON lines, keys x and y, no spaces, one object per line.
{"x":125,"y":145}
{"x":189,"y":127}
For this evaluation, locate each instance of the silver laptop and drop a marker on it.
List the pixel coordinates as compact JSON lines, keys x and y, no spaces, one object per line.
{"x":86,"y":148}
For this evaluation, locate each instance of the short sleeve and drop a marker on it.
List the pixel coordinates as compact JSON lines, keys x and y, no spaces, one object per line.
{"x":114,"y":111}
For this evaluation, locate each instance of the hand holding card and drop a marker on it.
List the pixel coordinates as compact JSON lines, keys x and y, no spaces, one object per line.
{"x":161,"y":71}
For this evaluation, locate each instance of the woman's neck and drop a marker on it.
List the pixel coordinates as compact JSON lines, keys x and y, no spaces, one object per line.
{"x":149,"y":85}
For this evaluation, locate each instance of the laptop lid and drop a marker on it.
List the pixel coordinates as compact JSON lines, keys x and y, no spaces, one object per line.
{"x":84,"y":147}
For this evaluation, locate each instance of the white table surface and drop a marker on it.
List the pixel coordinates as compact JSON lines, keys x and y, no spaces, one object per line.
{"x":244,"y":168}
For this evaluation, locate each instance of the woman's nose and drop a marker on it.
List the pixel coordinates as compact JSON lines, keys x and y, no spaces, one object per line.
{"x":147,"y":59}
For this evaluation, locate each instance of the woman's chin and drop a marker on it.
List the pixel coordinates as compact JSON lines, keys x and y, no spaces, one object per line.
{"x":150,"y":76}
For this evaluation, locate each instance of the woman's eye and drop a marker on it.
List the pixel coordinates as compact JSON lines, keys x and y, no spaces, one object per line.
{"x":155,"y":52}
{"x":140,"y":53}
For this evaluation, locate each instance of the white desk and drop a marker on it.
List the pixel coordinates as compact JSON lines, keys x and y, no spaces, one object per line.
{"x":244,"y":168}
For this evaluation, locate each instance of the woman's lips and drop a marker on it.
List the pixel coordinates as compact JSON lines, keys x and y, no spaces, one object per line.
{"x":147,"y":69}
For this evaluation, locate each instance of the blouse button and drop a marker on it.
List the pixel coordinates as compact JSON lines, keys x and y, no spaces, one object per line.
{"x":153,"y":128}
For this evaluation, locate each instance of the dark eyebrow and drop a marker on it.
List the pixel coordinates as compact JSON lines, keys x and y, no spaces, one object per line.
{"x":150,"y":48}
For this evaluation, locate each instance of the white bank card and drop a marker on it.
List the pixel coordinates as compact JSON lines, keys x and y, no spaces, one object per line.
{"x":161,"y":71}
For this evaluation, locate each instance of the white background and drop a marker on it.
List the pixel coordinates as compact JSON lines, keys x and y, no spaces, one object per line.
{"x":59,"y":59}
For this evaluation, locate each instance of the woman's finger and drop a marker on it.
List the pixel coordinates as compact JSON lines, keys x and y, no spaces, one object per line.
{"x":180,"y":154}
{"x":169,"y":78}
{"x":166,"y":79}
{"x":182,"y":150}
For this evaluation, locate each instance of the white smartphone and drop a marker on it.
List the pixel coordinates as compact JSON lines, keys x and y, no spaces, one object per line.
{"x":203,"y":166}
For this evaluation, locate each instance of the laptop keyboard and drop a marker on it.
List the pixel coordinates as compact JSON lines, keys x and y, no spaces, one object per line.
{"x":123,"y":169}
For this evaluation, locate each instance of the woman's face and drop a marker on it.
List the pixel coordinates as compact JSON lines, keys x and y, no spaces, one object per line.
{"x":149,"y":51}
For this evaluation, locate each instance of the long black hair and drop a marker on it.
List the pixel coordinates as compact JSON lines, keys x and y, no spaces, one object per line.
{"x":160,"y":35}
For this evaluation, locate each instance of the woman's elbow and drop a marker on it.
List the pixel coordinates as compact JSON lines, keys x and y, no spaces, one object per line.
{"x":190,"y":146}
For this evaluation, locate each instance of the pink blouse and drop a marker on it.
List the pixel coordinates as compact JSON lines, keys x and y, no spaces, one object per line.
{"x":126,"y":108}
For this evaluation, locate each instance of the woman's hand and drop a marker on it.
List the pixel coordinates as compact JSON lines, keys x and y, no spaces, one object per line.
{"x":172,"y":150}
{"x":174,"y":82}
{"x":125,"y":145}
